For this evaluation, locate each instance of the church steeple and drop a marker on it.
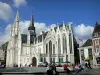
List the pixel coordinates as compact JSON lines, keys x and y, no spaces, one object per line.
{"x":31,"y":31}
{"x":31,"y":25}
{"x":17,"y":16}
{"x":15,"y":26}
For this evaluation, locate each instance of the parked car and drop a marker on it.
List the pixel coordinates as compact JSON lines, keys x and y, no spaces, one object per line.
{"x":41,"y":64}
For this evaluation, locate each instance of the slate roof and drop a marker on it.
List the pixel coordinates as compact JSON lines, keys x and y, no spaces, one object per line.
{"x":40,"y":38}
{"x":61,"y":25}
{"x":4,"y":46}
{"x":87,"y":43}
{"x":24,"y":38}
{"x":96,"y":29}
{"x":44,"y":35}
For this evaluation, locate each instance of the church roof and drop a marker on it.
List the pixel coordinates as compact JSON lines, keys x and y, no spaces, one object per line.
{"x":39,"y":38}
{"x":96,"y":29}
{"x":4,"y":46}
{"x":24,"y":38}
{"x":44,"y":35}
{"x":87,"y":43}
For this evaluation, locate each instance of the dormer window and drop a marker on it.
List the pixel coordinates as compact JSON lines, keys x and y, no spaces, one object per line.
{"x":99,"y":33}
{"x":95,"y":34}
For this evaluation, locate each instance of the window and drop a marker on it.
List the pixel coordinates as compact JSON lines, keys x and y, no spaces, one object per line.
{"x":50,"y":47}
{"x":64,"y":44}
{"x":66,"y":57}
{"x":82,"y":54}
{"x":41,"y":59}
{"x":53,"y":59}
{"x":97,"y":50}
{"x":46,"y":48}
{"x":70,"y":42}
{"x":90,"y":54}
{"x":99,"y":33}
{"x":44,"y":59}
{"x":60,"y":59}
{"x":97,"y":42}
{"x":59,"y":45}
{"x":98,"y":60}
{"x":53,"y":48}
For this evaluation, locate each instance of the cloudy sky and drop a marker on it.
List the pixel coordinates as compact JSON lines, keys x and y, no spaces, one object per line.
{"x":82,"y":13}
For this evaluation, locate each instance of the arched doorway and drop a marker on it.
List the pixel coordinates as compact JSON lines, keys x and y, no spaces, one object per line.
{"x":34,"y":61}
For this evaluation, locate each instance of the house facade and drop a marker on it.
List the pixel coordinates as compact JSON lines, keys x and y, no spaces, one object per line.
{"x":85,"y":51}
{"x":96,"y":44}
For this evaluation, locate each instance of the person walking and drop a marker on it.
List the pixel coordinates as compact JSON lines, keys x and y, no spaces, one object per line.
{"x":49,"y":70}
{"x":89,"y":65}
{"x":66,"y":69}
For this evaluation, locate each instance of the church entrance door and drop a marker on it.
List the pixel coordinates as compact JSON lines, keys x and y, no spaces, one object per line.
{"x":34,"y":61}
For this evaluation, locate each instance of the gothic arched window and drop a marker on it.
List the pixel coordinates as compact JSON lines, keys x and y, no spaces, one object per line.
{"x":70,"y":42}
{"x":46,"y":48}
{"x":50,"y":47}
{"x":59,"y":45}
{"x":64,"y":44}
{"x":53,"y":48}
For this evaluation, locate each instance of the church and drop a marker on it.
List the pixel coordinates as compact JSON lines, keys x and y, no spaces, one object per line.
{"x":57,"y":44}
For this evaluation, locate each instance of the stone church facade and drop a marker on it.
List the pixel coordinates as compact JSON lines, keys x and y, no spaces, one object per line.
{"x":54,"y":45}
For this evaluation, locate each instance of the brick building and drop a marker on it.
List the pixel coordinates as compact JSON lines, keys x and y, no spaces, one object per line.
{"x":96,"y":44}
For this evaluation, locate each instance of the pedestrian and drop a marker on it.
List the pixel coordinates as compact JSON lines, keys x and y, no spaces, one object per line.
{"x":54,"y":69}
{"x":66,"y":69}
{"x":86,"y":64}
{"x":89,"y":65}
{"x":49,"y":70}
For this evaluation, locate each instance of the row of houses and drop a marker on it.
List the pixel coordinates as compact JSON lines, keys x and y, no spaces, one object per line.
{"x":90,"y":50}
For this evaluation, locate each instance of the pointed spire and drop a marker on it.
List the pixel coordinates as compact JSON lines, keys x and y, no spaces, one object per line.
{"x":63,"y":22}
{"x":32,"y":21}
{"x":17,"y":16}
{"x":96,"y":23}
{"x":57,"y":24}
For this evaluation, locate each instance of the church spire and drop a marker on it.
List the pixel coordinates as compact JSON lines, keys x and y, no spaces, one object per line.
{"x":17,"y":16}
{"x":31,"y":25}
{"x":32,"y":21}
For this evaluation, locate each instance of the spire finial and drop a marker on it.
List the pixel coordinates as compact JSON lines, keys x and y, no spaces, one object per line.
{"x":17,"y":16}
{"x":96,"y":23}
{"x":57,"y":24}
{"x":63,"y":22}
{"x":32,"y":13}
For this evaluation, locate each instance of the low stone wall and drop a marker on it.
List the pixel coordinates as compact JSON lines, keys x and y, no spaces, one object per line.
{"x":23,"y":73}
{"x":28,"y":71}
